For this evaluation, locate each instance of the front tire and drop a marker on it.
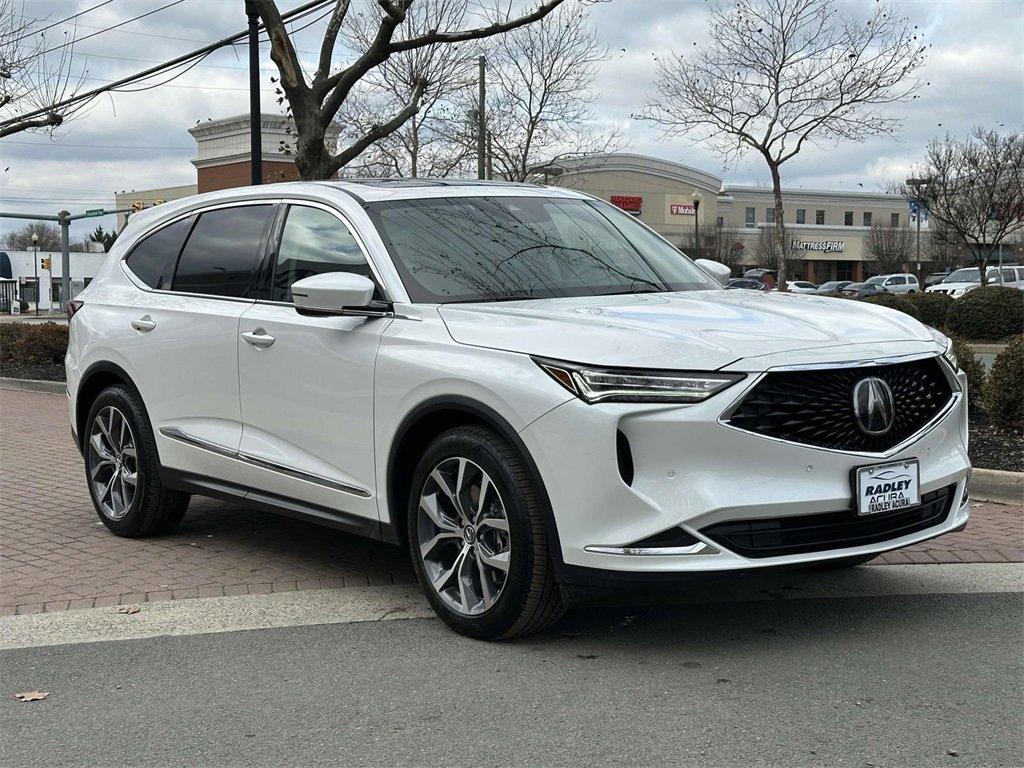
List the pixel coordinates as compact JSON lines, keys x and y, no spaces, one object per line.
{"x":123,"y":470}
{"x":477,"y":537}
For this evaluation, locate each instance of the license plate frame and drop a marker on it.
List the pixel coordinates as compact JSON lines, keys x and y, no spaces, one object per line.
{"x":878,"y":491}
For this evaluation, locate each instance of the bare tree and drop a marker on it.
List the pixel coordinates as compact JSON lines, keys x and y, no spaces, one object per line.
{"x":48,"y":237}
{"x":776,"y":74}
{"x":944,"y":246}
{"x":890,"y":246}
{"x":714,"y":242}
{"x":539,"y":94}
{"x":768,"y":254}
{"x":30,"y":78}
{"x":314,"y":103}
{"x":975,"y":190}
{"x":421,"y":147}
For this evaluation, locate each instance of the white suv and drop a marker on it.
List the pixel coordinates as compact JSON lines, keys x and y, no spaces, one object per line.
{"x":898,"y":283}
{"x":526,"y":386}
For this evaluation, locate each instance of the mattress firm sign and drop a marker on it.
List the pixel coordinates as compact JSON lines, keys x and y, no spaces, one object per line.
{"x":824,"y":246}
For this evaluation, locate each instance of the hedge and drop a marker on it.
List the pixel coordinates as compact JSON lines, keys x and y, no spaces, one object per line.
{"x":932,"y":308}
{"x":971,"y":366}
{"x":32,"y":343}
{"x":1004,"y":393}
{"x":991,"y":312}
{"x":895,"y":301}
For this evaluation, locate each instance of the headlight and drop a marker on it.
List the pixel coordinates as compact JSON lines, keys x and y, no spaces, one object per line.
{"x":947,"y":343}
{"x":596,"y":385}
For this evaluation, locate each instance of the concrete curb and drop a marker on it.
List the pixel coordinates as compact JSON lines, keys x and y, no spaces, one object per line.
{"x":34,"y":385}
{"x":993,"y":348}
{"x":998,"y":486}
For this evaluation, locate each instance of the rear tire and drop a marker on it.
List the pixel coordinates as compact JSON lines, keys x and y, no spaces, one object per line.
{"x":477,"y":537}
{"x":122,"y":468}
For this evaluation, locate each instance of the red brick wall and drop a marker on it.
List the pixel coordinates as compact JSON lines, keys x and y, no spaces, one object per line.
{"x":239,"y":175}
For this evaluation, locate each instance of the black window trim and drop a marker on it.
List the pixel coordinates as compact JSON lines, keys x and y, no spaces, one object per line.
{"x":148,"y":234}
{"x":268,"y":263}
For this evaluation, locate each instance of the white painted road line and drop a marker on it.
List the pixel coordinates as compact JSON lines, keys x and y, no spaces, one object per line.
{"x":363,"y":604}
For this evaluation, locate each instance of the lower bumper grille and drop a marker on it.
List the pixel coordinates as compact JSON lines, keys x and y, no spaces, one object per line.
{"x":778,"y":536}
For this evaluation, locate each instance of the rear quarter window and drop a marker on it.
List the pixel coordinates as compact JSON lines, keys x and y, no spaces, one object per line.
{"x":152,"y":259}
{"x":223,"y":251}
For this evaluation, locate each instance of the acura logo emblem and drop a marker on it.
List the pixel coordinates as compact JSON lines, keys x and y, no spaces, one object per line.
{"x":873,"y":406}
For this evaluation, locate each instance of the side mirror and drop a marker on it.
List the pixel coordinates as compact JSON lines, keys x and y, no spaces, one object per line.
{"x":716,"y":269}
{"x":336,"y":293}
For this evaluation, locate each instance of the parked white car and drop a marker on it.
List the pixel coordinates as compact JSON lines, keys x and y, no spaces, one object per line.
{"x":801,"y":286}
{"x":526,"y":386}
{"x":967,"y":279}
{"x":898,"y":283}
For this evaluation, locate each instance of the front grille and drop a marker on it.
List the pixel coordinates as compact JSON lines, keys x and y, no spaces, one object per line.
{"x":815,"y":407}
{"x":778,"y":536}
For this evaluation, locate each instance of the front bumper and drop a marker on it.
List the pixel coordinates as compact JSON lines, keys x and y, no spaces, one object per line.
{"x":692,"y":471}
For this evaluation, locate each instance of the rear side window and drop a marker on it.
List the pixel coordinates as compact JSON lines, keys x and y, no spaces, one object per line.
{"x":223,"y":251}
{"x":152,"y":260}
{"x":314,"y":242}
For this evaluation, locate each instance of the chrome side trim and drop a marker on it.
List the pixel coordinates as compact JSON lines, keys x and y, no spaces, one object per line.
{"x":892,"y":360}
{"x":700,"y":548}
{"x":308,"y":477}
{"x":176,"y":434}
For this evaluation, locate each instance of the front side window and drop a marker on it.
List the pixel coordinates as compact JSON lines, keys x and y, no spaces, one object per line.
{"x":897,"y":281}
{"x":223,"y":251}
{"x":314,"y":242}
{"x":466,"y":249}
{"x":152,"y":260}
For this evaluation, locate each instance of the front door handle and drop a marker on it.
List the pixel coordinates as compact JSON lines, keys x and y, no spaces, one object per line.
{"x":143,"y":324}
{"x":258,"y":338}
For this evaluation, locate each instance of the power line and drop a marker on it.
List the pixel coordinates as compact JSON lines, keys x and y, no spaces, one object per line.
{"x":35,"y":32}
{"x":193,"y":56}
{"x":115,"y":26}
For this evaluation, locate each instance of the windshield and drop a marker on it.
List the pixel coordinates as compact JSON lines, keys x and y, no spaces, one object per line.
{"x":969,"y":275}
{"x":876,"y":280}
{"x":464,"y":249}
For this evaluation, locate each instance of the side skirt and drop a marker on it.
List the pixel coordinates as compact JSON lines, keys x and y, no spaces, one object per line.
{"x":263,"y":501}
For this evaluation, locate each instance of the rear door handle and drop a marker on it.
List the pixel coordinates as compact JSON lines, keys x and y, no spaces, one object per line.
{"x":258,"y":338}
{"x":143,"y":324}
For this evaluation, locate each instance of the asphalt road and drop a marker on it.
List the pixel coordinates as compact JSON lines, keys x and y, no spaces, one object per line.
{"x":917,"y":680}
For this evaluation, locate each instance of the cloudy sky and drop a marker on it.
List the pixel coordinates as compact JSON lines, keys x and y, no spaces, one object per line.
{"x":139,"y":140}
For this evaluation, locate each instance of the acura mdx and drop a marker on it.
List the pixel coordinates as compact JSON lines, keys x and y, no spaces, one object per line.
{"x":526,"y":386}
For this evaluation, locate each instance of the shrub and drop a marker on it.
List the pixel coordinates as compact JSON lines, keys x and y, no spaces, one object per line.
{"x":33,"y":344}
{"x":932,"y":307}
{"x":990,"y":312}
{"x":1004,"y":393}
{"x":895,"y":301}
{"x":973,"y":368}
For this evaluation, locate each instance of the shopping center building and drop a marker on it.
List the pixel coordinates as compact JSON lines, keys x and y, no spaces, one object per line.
{"x":827,"y":230}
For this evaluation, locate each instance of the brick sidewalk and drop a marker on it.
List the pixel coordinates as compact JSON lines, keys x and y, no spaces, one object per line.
{"x":56,"y":555}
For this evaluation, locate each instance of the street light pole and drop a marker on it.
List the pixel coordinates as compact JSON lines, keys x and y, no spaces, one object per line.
{"x":255,"y":122}
{"x":696,"y":197}
{"x":916,"y":185}
{"x":35,"y":267}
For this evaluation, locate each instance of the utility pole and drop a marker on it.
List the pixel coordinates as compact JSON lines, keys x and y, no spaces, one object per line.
{"x":916,"y":185}
{"x":255,"y":130}
{"x":481,"y":126}
{"x":490,"y":155}
{"x":35,"y":266}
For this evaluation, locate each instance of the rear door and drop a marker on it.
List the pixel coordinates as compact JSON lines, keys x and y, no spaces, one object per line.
{"x":200,"y":273}
{"x":307,"y":382}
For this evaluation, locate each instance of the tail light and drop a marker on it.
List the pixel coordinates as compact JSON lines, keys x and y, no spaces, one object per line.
{"x":73,"y":306}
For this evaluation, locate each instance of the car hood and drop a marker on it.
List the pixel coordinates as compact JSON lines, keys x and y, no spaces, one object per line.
{"x":955,"y":286}
{"x":697,"y":330}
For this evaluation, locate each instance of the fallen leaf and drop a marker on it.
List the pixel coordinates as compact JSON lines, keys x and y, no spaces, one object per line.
{"x":128,"y":609}
{"x":31,"y":696}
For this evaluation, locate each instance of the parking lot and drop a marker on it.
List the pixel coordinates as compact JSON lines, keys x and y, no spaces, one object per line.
{"x":55,"y":554}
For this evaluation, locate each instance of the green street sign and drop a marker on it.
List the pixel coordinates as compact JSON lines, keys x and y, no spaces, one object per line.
{"x":95,"y":212}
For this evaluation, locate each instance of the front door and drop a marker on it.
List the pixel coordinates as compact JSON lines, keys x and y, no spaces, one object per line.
{"x":306,"y":383}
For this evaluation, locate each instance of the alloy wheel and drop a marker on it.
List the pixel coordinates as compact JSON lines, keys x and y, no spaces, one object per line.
{"x":463,"y":536}
{"x":113,"y":463}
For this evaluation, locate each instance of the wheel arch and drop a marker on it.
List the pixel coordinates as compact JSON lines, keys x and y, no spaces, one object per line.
{"x":96,"y":378}
{"x":420,"y":427}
